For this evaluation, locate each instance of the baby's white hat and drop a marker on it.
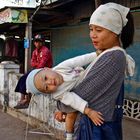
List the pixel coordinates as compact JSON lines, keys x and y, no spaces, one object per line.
{"x":110,"y":16}
{"x":30,"y":86}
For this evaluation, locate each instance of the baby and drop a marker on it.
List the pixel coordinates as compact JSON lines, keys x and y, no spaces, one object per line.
{"x":58,"y":81}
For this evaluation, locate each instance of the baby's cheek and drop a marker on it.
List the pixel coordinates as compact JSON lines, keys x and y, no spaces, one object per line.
{"x":54,"y":88}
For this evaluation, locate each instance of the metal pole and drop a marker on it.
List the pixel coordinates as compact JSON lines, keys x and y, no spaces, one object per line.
{"x":28,"y":35}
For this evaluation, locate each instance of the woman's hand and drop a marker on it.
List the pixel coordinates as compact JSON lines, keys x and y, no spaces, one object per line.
{"x":95,"y":116}
{"x":60,"y":116}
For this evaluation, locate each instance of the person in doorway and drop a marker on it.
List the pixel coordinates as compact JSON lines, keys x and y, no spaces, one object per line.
{"x":41,"y":57}
{"x":111,"y":31}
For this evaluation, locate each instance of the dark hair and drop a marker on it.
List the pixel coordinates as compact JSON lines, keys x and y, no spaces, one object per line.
{"x":128,"y":32}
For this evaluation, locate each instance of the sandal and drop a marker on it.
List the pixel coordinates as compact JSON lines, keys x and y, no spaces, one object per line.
{"x":21,"y":106}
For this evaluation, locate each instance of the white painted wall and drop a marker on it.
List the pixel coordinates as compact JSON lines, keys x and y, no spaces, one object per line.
{"x":6,"y":67}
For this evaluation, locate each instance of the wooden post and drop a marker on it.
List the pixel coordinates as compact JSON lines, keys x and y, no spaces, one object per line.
{"x":28,"y":36}
{"x":97,"y":3}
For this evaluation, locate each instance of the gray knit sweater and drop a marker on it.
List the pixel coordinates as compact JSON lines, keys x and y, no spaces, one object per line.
{"x":102,"y":84}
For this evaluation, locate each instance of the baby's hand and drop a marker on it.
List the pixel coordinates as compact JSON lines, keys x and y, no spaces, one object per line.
{"x":95,"y":116}
{"x":60,"y":116}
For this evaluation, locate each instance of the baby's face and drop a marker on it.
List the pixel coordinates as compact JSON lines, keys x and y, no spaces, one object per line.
{"x":47,"y":80}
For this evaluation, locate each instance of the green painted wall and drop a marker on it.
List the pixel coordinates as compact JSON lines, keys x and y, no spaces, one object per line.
{"x":70,"y":41}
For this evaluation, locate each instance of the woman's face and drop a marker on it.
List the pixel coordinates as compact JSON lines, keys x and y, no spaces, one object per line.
{"x":102,"y":38}
{"x":47,"y":80}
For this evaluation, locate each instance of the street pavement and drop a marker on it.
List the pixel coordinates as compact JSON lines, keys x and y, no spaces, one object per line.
{"x":14,"y":129}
